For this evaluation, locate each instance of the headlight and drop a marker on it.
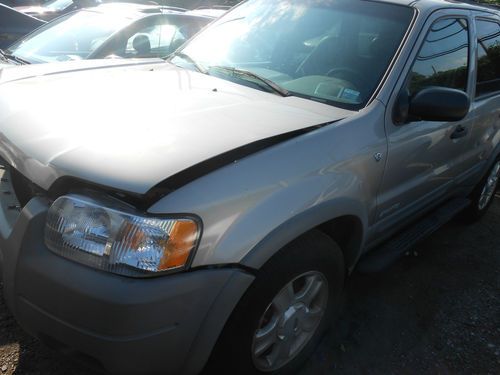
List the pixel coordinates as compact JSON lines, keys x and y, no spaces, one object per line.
{"x":116,"y":239}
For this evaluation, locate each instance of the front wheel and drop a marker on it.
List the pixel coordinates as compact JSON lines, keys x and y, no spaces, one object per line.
{"x":286,"y":310}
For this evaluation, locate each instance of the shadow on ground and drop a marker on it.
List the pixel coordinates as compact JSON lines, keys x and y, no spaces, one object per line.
{"x":436,"y":311}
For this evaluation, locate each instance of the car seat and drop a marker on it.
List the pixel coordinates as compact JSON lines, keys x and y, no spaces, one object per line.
{"x":142,"y":45}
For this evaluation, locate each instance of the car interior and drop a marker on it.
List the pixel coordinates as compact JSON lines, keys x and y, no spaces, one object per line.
{"x":338,"y":57}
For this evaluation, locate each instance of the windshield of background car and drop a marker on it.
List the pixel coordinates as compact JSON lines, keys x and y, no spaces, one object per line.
{"x":72,"y":37}
{"x":333,"y":51}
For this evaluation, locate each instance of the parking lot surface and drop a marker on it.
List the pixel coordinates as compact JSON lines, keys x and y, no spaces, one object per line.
{"x":436,"y":311}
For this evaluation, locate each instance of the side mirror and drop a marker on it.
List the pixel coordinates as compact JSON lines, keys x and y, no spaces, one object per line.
{"x":439,"y":104}
{"x":432,"y":104}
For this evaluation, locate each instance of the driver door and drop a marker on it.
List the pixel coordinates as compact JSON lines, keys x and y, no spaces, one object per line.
{"x":425,"y":157}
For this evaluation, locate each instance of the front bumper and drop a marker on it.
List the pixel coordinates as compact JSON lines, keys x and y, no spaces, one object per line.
{"x":162,"y":325}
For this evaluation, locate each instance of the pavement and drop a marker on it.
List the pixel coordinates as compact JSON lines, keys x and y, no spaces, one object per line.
{"x":436,"y":311}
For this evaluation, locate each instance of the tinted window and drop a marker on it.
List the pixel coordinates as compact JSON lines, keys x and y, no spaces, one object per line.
{"x":488,"y":67}
{"x":442,"y":61}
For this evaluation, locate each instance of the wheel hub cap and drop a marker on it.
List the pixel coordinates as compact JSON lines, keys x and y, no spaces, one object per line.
{"x":290,"y":321}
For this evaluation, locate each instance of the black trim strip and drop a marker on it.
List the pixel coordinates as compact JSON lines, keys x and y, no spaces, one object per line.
{"x":203,"y":168}
{"x":237,"y":266}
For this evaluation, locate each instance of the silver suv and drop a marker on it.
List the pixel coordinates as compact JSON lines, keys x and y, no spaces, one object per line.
{"x":203,"y":212}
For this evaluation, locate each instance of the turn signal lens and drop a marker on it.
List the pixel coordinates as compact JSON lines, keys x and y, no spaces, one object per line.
{"x":182,"y":239}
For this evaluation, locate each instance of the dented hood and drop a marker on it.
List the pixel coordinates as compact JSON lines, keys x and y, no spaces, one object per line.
{"x":132,"y":127}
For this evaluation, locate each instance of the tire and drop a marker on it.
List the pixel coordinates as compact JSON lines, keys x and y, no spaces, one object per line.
{"x":311,"y":259}
{"x":479,"y":206}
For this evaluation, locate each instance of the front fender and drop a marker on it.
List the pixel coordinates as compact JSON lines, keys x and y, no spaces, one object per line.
{"x":301,"y":223}
{"x":253,"y":206}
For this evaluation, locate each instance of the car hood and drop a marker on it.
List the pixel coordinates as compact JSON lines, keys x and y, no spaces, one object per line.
{"x":132,"y":127}
{"x":3,"y":65}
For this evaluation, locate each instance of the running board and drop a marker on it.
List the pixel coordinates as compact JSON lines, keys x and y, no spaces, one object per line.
{"x":383,"y":256}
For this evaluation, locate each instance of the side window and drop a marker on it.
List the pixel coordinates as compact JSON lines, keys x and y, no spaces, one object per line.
{"x":488,"y":54}
{"x":443,"y":58}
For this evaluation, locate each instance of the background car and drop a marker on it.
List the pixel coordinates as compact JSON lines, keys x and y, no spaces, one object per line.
{"x":52,"y":9}
{"x":14,"y":25}
{"x":110,"y":30}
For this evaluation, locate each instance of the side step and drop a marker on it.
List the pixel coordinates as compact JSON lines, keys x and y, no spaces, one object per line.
{"x":380,"y":258}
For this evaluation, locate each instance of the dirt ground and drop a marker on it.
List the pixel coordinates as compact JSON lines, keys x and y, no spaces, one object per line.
{"x":436,"y":311}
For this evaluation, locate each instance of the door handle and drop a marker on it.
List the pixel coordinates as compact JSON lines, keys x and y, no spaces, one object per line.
{"x":459,"y":132}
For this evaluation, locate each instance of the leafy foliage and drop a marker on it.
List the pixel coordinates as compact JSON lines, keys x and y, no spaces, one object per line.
{"x":493,"y":2}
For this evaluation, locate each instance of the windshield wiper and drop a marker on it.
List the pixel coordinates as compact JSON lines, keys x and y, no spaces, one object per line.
{"x":7,"y":56}
{"x":190,"y":60}
{"x":2,"y":56}
{"x":246,"y":73}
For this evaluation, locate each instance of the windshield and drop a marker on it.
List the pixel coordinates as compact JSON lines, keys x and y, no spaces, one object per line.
{"x":333,"y":51}
{"x":57,"y":5}
{"x":72,"y":37}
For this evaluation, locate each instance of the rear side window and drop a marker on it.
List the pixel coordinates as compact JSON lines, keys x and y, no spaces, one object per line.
{"x":443,"y":58}
{"x":488,"y":54}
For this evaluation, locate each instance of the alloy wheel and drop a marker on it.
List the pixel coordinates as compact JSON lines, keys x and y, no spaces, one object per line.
{"x":290,"y":321}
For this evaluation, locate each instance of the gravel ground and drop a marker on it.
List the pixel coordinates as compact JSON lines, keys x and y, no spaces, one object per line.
{"x":436,"y":311}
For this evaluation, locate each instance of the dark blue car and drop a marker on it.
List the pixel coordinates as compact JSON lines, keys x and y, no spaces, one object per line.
{"x":14,"y":25}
